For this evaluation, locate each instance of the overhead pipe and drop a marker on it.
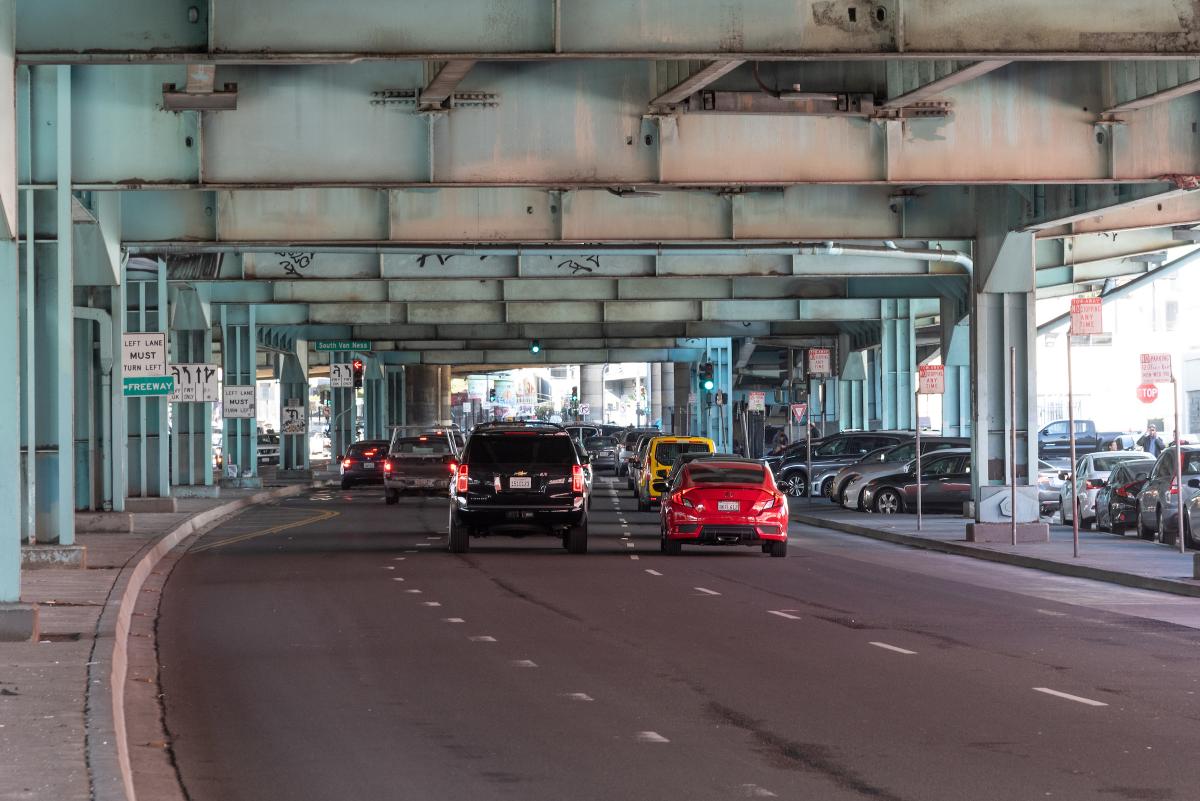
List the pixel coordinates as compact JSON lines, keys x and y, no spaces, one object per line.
{"x":103,"y":321}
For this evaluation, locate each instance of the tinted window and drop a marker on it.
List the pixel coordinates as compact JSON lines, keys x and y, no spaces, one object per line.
{"x":366,"y":449}
{"x":902,"y":453}
{"x":942,"y":467}
{"x":832,"y":448}
{"x":666,"y":452}
{"x":724,"y":474}
{"x":1057,"y":429}
{"x":600,"y":442}
{"x":1191,"y":462}
{"x":1109,"y":462}
{"x":520,"y":449}
{"x":422,"y":446}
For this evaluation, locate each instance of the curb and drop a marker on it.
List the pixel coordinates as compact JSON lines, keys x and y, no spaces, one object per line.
{"x":106,"y":742}
{"x":1018,"y":560}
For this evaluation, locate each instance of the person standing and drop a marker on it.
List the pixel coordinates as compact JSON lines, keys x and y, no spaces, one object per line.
{"x":1151,"y":442}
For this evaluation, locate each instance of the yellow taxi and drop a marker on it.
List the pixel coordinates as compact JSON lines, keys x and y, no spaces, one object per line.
{"x":660,"y":455}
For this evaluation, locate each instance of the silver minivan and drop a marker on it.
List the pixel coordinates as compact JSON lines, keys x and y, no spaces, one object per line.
{"x":1158,"y":502}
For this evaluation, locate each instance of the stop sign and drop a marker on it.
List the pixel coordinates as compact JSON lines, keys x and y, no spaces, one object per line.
{"x":1147,"y":393}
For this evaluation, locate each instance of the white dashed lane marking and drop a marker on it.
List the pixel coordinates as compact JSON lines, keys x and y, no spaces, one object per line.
{"x":578,"y":696}
{"x":894,"y":648}
{"x":430,"y":603}
{"x":754,"y":791}
{"x":453,"y":620}
{"x":633,"y":556}
{"x":1050,"y":613}
{"x":651,"y":737}
{"x":397,"y":578}
{"x":653,"y":572}
{"x":1077,"y":699}
{"x":389,"y":567}
{"x":524,"y":663}
{"x":482,"y":638}
{"x":413,"y":592}
{"x":778,"y":613}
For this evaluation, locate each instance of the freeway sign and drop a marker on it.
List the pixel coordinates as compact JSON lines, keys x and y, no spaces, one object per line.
{"x":148,"y":386}
{"x":341,"y":344}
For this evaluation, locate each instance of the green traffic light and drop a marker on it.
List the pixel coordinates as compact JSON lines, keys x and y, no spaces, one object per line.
{"x":535,"y":347}
{"x":708,"y":383}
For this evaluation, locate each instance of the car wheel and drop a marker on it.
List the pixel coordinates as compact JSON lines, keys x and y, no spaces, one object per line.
{"x":672,"y":547}
{"x":391,"y":497}
{"x":577,"y":538}
{"x":459,"y":539}
{"x":766,"y":547}
{"x":887,"y":502}
{"x":778,"y":548}
{"x":1143,"y":532}
{"x":794,"y":485}
{"x":643,"y":503}
{"x":1159,"y":534}
{"x":346,"y":484}
{"x":1063,"y":506}
{"x":1113,"y":526}
{"x":827,"y":488}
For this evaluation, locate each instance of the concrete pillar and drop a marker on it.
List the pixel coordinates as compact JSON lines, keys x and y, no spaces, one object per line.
{"x":423,"y":380}
{"x":343,"y":410}
{"x":684,"y":391}
{"x":667,"y":374}
{"x":591,"y":390}
{"x":956,"y":403}
{"x":239,"y":368}
{"x":192,"y":434}
{"x":293,"y":394}
{"x":1002,"y":317}
{"x":374,"y":400}
{"x":656,"y":394}
{"x":396,"y":395}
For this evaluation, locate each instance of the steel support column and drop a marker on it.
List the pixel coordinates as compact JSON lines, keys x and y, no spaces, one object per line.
{"x":684,"y":392}
{"x":10,"y":427}
{"x":293,"y":392}
{"x":394,"y":377}
{"x":146,"y":418}
{"x":899,"y":364}
{"x":374,"y":400}
{"x":668,"y":396}
{"x":656,"y":394}
{"x":343,"y":410}
{"x":239,"y":348}
{"x":191,"y":423}
{"x":956,"y":402}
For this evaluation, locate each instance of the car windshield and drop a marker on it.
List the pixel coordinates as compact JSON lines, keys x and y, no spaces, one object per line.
{"x":1110,"y":462}
{"x":600,"y":442}
{"x":666,"y":452}
{"x":703,"y":473}
{"x":421,"y":446}
{"x":520,"y":449}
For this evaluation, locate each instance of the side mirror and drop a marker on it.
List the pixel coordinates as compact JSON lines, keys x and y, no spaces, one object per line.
{"x":1194,"y":483}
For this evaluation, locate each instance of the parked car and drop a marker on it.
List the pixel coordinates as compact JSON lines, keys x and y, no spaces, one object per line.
{"x":945,"y":485}
{"x":1159,"y":498}
{"x":834,"y":453}
{"x":1054,"y":440}
{"x":848,"y":483}
{"x":1049,"y":483}
{"x":629,"y":440}
{"x":268,"y":449}
{"x":724,"y":502}
{"x":660,"y":455}
{"x":602,"y":451}
{"x":421,"y":464}
{"x":1091,"y":471}
{"x":1116,"y":501}
{"x":363,"y":463}
{"x":1191,"y":513}
{"x":517,"y":480}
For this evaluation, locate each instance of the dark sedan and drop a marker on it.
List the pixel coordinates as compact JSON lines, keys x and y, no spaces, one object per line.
{"x":945,"y":485}
{"x":602,"y":451}
{"x":363,"y":463}
{"x":1116,"y":501}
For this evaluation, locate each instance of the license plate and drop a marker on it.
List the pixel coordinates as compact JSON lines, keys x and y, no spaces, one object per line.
{"x":728,"y":506}
{"x":368,"y":465}
{"x":520,"y":515}
{"x":426,"y":482}
{"x":520,"y":482}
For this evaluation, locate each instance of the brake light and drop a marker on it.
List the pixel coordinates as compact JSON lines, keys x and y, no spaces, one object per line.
{"x":1127,"y":491}
{"x":453,"y":468}
{"x":576,"y":478}
{"x":387,"y":467}
{"x":347,"y":462}
{"x":1093,"y":483}
{"x":1174,"y":486}
{"x":461,"y":484}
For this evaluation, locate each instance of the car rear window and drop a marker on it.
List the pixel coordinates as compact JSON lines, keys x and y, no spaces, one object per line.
{"x":1111,"y":462}
{"x":421,"y":446}
{"x":701,"y":473}
{"x":667,"y":452}
{"x":520,"y":449}
{"x":600,"y":442}
{"x":1191,"y":462}
{"x":363,"y":449}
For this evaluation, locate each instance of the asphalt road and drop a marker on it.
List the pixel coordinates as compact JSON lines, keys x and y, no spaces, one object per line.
{"x":328,"y":647}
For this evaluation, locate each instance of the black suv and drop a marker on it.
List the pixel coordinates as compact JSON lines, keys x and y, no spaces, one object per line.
{"x":516,"y":479}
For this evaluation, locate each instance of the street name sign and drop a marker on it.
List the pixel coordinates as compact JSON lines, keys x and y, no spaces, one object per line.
{"x":147,"y":386}
{"x":818,"y":361}
{"x":931,"y":379}
{"x":1086,"y":316}
{"x":194,"y":383}
{"x":341,"y":375}
{"x":237,"y":401}
{"x":341,"y":344}
{"x":1156,"y":368}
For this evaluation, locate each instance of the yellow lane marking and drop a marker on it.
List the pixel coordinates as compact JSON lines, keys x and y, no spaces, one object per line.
{"x":317,"y":518}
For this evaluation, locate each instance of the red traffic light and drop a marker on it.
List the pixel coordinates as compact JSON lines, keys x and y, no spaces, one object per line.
{"x":358,"y":365}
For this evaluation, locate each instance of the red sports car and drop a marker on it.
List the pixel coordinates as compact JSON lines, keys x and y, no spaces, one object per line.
{"x":724,"y":502}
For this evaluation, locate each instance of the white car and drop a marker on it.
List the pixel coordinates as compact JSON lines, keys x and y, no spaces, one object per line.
{"x":1091,"y":472}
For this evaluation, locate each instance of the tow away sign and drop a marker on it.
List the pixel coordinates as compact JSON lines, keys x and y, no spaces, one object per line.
{"x":931,"y":379}
{"x":1156,"y":368}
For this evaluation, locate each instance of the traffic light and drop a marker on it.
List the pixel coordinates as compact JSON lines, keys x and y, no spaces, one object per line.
{"x":535,"y":346}
{"x":358,"y":373}
{"x":706,"y":376}
{"x":491,"y":395}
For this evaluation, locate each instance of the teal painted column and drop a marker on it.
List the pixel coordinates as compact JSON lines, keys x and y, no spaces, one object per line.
{"x":899,"y":363}
{"x":374,"y":399}
{"x":192,"y":430}
{"x":956,"y":403}
{"x":146,"y":418}
{"x":119,"y":407}
{"x":851,"y":407}
{"x":293,"y":393}
{"x":717,"y":421}
{"x":54,"y":325}
{"x":394,"y":376}
{"x":239,"y":368}
{"x":343,"y":410}
{"x":10,"y":431}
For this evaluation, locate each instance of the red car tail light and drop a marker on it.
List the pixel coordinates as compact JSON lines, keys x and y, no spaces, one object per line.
{"x":387,"y":467}
{"x":576,"y":478}
{"x":1127,"y":491}
{"x":453,"y":467}
{"x":461,"y":484}
{"x":347,"y":463}
{"x":1174,"y":486}
{"x":1093,"y":483}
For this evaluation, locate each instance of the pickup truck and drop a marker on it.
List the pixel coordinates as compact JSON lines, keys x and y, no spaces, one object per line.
{"x":1054,"y":439}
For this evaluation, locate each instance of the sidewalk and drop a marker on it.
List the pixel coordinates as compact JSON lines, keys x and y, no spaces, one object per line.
{"x":52,"y":715}
{"x":1124,"y":560}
